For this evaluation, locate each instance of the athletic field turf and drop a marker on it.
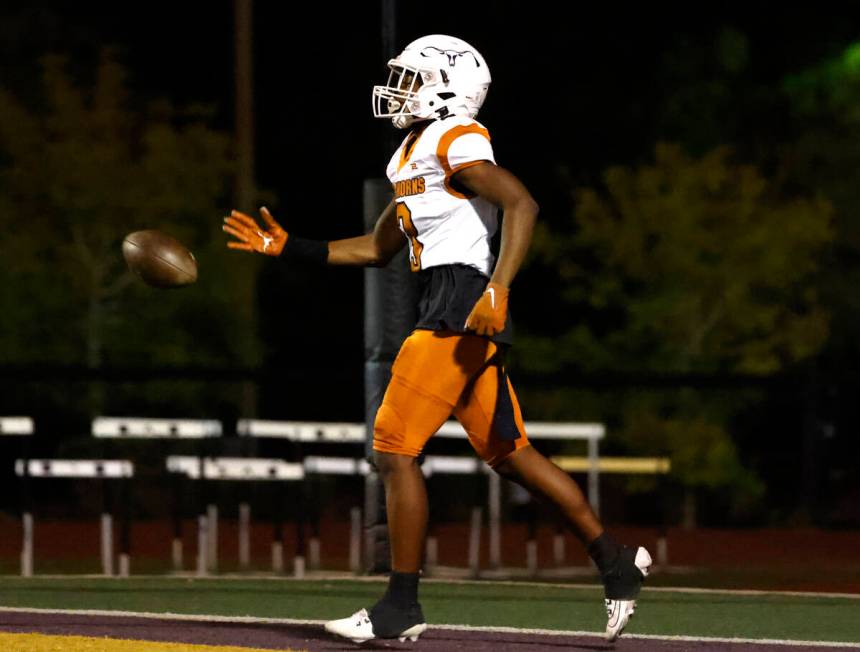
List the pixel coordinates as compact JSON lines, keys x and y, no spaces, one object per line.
{"x":285,"y":613}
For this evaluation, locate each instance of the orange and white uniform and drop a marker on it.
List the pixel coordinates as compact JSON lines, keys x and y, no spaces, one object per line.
{"x":442,"y":369}
{"x":443,"y":225}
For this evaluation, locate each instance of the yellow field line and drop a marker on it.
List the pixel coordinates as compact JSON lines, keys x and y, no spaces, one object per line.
{"x":45,"y":643}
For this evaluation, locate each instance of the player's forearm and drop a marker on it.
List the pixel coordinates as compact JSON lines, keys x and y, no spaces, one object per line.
{"x":361,"y":251}
{"x":373,"y":249}
{"x":517,"y":227}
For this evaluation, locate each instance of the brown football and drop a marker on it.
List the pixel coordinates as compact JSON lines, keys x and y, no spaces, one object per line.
{"x":158,"y":259}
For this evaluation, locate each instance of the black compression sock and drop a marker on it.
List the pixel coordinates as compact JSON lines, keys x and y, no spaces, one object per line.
{"x":402,"y":589}
{"x":398,"y":610}
{"x":604,"y":550}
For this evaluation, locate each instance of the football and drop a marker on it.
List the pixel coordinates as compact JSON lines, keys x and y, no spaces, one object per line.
{"x":158,"y":259}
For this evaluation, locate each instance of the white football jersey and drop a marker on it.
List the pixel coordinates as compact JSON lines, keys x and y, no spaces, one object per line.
{"x":442,"y":225}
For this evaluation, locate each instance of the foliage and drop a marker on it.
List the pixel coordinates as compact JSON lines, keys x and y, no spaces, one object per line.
{"x":687,"y":265}
{"x":822,"y":156}
{"x":80,"y":168}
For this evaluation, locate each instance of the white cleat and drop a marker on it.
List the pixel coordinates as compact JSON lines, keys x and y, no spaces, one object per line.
{"x":359,"y":629}
{"x":620,"y":612}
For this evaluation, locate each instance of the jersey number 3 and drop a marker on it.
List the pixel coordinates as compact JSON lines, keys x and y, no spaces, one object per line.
{"x":404,"y":217}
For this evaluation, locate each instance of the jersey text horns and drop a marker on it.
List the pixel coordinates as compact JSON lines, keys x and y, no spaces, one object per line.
{"x":409,"y":187}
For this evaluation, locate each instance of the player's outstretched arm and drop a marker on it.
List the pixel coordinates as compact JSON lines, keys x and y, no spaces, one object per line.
{"x":374,"y":249}
{"x":503,"y":189}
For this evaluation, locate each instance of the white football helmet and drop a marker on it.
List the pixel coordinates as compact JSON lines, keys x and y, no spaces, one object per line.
{"x":434,"y":77}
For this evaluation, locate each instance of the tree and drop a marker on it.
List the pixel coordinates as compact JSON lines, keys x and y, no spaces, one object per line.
{"x":80,"y":168}
{"x":822,"y":157}
{"x":687,"y":265}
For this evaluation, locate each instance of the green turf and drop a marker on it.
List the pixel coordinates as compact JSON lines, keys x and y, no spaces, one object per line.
{"x":523,"y":605}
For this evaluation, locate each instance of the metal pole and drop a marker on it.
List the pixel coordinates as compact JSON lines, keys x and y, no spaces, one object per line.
{"x":495,"y":509}
{"x":27,"y":545}
{"x":212,"y":551}
{"x":381,"y":328}
{"x":475,"y":543}
{"x":244,"y":536}
{"x":106,"y":530}
{"x":202,"y":546}
{"x":176,"y":547}
{"x":558,"y":547}
{"x":278,"y":537}
{"x":107,"y":544}
{"x":594,"y":476}
{"x":243,"y":11}
{"x":26,"y":515}
{"x":355,"y":539}
{"x":125,"y":528}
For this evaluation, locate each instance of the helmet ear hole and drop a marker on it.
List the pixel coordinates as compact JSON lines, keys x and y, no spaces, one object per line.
{"x":444,"y":75}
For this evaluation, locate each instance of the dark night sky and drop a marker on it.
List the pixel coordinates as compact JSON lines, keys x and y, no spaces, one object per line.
{"x":580,"y":87}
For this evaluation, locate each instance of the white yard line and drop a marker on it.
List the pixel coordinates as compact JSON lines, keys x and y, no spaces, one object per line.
{"x":460,"y":628}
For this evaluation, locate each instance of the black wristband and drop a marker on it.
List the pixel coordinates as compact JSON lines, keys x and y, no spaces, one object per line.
{"x":312,"y":251}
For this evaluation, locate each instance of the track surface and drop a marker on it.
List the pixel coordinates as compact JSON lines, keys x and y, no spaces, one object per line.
{"x":313,"y":637}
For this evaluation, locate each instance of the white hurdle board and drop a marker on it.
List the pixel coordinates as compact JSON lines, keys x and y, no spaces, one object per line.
{"x":53,"y":468}
{"x":235,"y":468}
{"x":319,"y":465}
{"x":139,"y":427}
{"x":16,"y":426}
{"x":537,"y":430}
{"x":303,"y":431}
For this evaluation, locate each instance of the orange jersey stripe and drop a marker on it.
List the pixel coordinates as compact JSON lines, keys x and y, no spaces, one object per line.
{"x":442,"y":153}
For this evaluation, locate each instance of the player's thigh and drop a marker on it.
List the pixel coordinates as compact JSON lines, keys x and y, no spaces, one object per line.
{"x":477,"y":412}
{"x":429,"y":375}
{"x":406,"y":419}
{"x":441,"y":363}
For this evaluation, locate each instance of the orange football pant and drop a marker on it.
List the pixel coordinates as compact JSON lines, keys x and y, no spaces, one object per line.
{"x":438,"y":373}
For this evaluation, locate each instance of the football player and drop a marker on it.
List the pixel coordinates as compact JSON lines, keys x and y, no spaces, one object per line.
{"x":447,"y":192}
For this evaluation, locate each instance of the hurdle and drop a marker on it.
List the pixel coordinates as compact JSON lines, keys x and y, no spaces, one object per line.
{"x":592,"y":433}
{"x":164,"y":430}
{"x":659,"y":466}
{"x":432,"y":465}
{"x":93,"y":469}
{"x":23,"y":427}
{"x":240,"y":469}
{"x":316,"y":465}
{"x":356,"y":433}
{"x":16,"y":426}
{"x":310,"y":432}
{"x":452,"y":465}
